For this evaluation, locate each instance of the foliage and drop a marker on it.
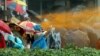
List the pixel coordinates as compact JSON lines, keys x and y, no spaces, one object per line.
{"x":73,"y":51}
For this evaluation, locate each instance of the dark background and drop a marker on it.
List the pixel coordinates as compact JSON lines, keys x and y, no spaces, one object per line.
{"x":49,"y":5}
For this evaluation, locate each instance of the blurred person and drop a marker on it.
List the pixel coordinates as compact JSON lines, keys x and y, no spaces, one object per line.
{"x":40,"y":38}
{"x":29,"y":39}
{"x":15,"y":42}
{"x":15,"y":39}
{"x":54,"y":39}
{"x":17,"y":31}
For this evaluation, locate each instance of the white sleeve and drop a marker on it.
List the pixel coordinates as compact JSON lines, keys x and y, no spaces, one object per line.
{"x":44,"y":32}
{"x":2,"y":32}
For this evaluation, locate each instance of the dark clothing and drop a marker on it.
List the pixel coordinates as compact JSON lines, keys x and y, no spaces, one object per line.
{"x":30,"y":39}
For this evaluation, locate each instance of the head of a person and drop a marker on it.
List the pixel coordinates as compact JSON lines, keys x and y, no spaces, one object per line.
{"x":12,"y":26}
{"x":17,"y":28}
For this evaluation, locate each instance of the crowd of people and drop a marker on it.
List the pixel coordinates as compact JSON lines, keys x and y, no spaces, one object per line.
{"x":21,"y":39}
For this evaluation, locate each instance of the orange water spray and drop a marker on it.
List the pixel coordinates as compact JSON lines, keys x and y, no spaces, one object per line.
{"x":71,"y":19}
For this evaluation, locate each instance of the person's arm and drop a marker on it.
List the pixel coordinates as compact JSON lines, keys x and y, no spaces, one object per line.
{"x":44,"y":32}
{"x":2,"y":32}
{"x":18,"y":43}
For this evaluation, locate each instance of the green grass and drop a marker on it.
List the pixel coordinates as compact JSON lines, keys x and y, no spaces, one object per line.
{"x":51,"y":52}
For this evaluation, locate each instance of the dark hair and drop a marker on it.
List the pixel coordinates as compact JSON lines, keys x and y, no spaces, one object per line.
{"x":12,"y":25}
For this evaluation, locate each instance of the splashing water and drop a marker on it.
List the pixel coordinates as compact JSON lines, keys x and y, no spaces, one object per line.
{"x":71,"y":19}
